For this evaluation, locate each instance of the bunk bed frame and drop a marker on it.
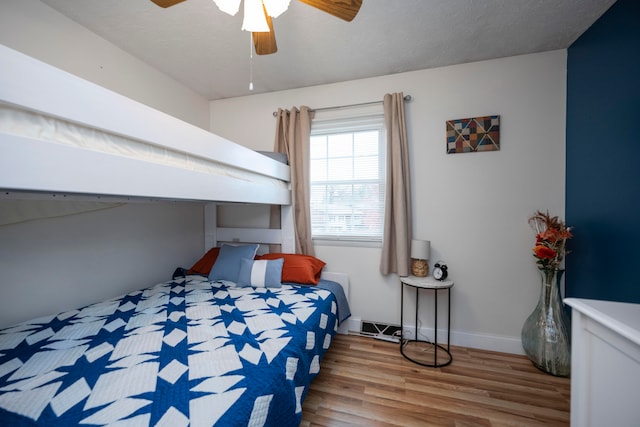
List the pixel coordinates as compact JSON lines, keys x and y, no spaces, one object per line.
{"x":30,"y":164}
{"x":35,"y":165}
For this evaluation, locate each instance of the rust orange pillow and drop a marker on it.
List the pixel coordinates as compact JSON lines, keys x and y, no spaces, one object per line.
{"x":298,"y":268}
{"x":203,"y":265}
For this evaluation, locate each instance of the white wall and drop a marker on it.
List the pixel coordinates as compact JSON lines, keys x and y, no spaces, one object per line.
{"x":473,"y":207}
{"x":55,"y":264}
{"x":51,"y":265}
{"x":37,"y":30}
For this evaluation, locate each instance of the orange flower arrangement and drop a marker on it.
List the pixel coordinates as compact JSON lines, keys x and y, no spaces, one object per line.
{"x":551,"y":236}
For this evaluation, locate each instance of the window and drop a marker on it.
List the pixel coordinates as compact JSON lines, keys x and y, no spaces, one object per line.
{"x":347,"y":174}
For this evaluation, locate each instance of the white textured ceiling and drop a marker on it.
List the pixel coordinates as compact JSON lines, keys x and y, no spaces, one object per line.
{"x":203,"y":48}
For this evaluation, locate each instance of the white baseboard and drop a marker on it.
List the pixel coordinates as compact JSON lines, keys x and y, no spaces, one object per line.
{"x":501,"y":343}
{"x":351,"y":324}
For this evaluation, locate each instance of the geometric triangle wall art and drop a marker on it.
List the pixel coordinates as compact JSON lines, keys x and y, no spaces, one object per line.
{"x":473,"y":135}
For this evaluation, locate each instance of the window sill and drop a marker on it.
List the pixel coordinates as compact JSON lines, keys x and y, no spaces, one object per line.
{"x":346,"y":242}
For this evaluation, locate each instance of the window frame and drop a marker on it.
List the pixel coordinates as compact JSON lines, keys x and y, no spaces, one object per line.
{"x":372,"y":120}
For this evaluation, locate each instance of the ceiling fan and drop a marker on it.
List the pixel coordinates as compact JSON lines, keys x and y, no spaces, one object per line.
{"x":264,"y":39}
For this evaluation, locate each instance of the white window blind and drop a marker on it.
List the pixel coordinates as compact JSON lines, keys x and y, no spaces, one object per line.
{"x":347,"y":174}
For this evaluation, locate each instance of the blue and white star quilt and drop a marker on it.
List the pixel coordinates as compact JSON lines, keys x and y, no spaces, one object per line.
{"x":183,"y":353}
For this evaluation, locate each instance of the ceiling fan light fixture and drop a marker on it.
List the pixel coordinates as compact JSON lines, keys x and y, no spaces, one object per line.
{"x":254,"y":17}
{"x":230,"y":7}
{"x":258,"y":16}
{"x":276,"y":8}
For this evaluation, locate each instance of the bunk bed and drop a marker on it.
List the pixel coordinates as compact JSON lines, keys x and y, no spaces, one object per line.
{"x":57,"y":128}
{"x":200,"y":349}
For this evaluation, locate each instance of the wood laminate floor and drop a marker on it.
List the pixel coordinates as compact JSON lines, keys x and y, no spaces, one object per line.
{"x":367,"y":382}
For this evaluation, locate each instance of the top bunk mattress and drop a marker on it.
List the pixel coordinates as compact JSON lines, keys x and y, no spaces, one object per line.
{"x":62,"y":134}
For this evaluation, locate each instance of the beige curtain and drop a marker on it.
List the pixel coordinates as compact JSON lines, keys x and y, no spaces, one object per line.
{"x":396,"y":239}
{"x":293,"y":130}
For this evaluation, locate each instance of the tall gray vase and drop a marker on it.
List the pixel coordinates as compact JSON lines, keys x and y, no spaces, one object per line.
{"x":545,"y":335}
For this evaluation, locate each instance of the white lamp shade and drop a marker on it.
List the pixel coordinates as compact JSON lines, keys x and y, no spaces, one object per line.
{"x":275,"y":8}
{"x":254,"y":19}
{"x":228,"y":6}
{"x":420,"y":249}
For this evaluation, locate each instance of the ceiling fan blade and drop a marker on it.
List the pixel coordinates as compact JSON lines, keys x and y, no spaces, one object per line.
{"x":166,"y":3}
{"x":343,"y":9}
{"x":265,"y":43}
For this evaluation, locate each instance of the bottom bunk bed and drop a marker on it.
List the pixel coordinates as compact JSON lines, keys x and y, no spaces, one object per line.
{"x":196,"y":350}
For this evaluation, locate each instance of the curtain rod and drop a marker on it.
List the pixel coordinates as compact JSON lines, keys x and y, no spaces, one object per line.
{"x":406,"y":98}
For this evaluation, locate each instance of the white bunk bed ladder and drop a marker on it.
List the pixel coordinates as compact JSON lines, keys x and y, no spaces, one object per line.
{"x":285,"y":236}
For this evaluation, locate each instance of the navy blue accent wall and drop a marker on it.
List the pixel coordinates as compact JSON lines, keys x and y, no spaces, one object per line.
{"x":603,"y":158}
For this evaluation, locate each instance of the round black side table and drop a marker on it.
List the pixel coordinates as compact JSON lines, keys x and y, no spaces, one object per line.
{"x":428,"y":283}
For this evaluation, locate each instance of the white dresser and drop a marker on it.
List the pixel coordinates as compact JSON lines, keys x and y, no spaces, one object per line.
{"x":605,"y":363}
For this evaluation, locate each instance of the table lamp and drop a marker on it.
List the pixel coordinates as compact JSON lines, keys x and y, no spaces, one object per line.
{"x":419,"y":255}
